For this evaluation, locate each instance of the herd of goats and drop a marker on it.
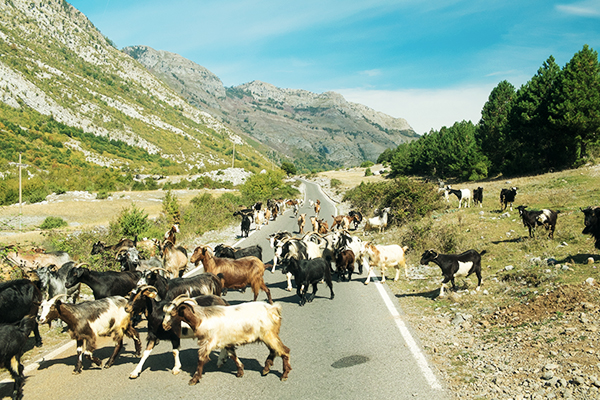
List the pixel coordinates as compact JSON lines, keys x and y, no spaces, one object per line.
{"x":178,"y":307}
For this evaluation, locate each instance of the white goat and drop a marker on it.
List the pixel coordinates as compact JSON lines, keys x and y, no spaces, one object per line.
{"x":379,"y":222}
{"x":385,"y":256}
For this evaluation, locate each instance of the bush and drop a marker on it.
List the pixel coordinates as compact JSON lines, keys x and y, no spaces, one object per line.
{"x":102,"y":195}
{"x":335,"y":183}
{"x":368,"y":172}
{"x":53,"y":222}
{"x":131,"y":222}
{"x":409,"y":199}
{"x":367,"y":164}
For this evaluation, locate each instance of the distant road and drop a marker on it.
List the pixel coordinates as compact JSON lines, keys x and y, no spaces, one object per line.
{"x":351,"y":347}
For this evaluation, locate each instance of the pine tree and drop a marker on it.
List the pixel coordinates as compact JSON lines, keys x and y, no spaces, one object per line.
{"x":491,"y":135}
{"x":575,"y":106}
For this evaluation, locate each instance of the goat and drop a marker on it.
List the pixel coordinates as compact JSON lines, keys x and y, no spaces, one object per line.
{"x":236,"y":274}
{"x":53,"y":281}
{"x":245,"y":225}
{"x":167,"y":289}
{"x":379,"y":222}
{"x":100,"y":246}
{"x":20,"y":298}
{"x":478,"y":196}
{"x":455,"y":265}
{"x":297,"y":249}
{"x":301,"y":223}
{"x":507,"y":196}
{"x":222,"y":250}
{"x":218,"y":327}
{"x":31,"y":261}
{"x":130,"y":261}
{"x":532,"y":219}
{"x":386,"y":256}
{"x":170,"y":234}
{"x":356,"y":218}
{"x":342,"y":221}
{"x":344,"y":263}
{"x":175,"y":259}
{"x":309,"y":272}
{"x":323,"y":227}
{"x":274,"y":240}
{"x":259,"y":219}
{"x":143,"y":301}
{"x":315,"y":224}
{"x":592,"y":223}
{"x":91,"y":319}
{"x":461,"y":194}
{"x":103,"y":284}
{"x":13,"y":339}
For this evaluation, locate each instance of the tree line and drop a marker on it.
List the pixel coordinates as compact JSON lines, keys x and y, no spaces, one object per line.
{"x":552,"y":122}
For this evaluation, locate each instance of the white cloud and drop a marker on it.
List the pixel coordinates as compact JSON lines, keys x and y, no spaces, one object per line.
{"x":425,"y":109}
{"x":590,"y":8}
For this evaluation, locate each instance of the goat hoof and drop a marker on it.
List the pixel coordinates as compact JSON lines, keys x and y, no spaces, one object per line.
{"x":192,"y":382}
{"x":176,"y":371}
{"x":133,"y":376}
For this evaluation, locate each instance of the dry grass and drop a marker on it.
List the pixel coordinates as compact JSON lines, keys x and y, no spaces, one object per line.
{"x":83,"y":214}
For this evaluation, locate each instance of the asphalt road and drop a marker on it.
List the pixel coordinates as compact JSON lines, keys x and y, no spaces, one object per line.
{"x":351,"y":347}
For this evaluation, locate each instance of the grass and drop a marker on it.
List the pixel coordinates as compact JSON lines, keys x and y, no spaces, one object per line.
{"x":505,"y":239}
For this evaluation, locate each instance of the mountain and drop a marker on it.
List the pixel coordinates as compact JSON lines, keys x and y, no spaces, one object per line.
{"x":67,"y":93}
{"x":313,"y":130}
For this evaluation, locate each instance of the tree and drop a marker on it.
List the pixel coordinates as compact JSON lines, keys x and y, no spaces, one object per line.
{"x":288,"y":168}
{"x":531,"y":137}
{"x":491,"y":134}
{"x":575,"y":105}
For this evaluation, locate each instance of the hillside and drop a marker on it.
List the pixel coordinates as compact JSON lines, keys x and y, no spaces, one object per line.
{"x":313,"y":130}
{"x":55,"y":66}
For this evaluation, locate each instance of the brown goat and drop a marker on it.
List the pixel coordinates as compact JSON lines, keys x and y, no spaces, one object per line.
{"x":343,"y":221}
{"x":344,"y":262}
{"x":174,"y":258}
{"x":301,"y":222}
{"x":323,"y":227}
{"x":236,"y":274}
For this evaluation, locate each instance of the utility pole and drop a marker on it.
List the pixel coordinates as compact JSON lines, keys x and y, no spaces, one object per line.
{"x":233,"y":158}
{"x":20,"y":196}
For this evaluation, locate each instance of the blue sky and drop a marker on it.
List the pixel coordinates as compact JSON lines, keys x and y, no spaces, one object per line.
{"x":430,"y":62}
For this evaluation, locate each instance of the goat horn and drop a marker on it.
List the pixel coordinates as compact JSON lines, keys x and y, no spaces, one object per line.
{"x":53,"y":300}
{"x":181,"y":299}
{"x":81,"y":264}
{"x":158,"y":269}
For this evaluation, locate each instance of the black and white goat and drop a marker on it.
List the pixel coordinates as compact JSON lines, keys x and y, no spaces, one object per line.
{"x":507,"y":196}
{"x":592,"y":223}
{"x":13,"y":339}
{"x":532,"y":219}
{"x":130,"y":261}
{"x":462,"y":195}
{"x":202,"y":284}
{"x":53,"y":281}
{"x":90,"y":320}
{"x":455,"y":265}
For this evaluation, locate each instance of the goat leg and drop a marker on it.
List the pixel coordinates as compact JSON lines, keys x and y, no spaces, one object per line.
{"x":115,"y":353}
{"x":202,"y":358}
{"x":132,"y":333}
{"x":138,"y":369}
{"x":79,"y":362}
{"x":269,"y":361}
{"x":313,"y":294}
{"x":238,"y":363}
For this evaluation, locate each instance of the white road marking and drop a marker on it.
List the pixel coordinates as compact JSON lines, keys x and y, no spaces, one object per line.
{"x":410,"y":341}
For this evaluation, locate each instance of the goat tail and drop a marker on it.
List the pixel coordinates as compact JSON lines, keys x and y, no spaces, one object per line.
{"x":482,"y":252}
{"x":274,"y":312}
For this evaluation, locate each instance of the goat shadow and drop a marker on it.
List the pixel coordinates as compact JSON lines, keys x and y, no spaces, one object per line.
{"x":189,"y":363}
{"x":578,"y":259}
{"x":515,"y":240}
{"x":432,"y":294}
{"x":126,"y":356}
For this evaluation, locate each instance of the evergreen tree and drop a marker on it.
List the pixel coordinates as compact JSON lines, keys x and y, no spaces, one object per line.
{"x":491,"y":131}
{"x":575,"y":106}
{"x":530,"y":134}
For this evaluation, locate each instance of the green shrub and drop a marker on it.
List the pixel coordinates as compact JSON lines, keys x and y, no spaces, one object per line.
{"x":102,"y":195}
{"x":131,"y":222}
{"x":335,"y":183}
{"x":367,"y":164}
{"x":53,"y":222}
{"x":368,"y":172}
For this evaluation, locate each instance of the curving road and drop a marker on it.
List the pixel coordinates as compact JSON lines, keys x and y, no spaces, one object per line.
{"x":353,"y":347}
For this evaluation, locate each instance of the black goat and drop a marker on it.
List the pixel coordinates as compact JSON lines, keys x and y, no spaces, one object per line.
{"x":13,"y":339}
{"x":507,"y":196}
{"x":167,"y":289}
{"x":222,"y":250}
{"x":103,"y":284}
{"x":53,"y":281}
{"x":532,"y":219}
{"x":143,"y":300}
{"x":309,"y":272}
{"x":18,"y":299}
{"x":478,"y":196}
{"x":356,"y":218}
{"x":455,"y":265}
{"x":592,"y":223}
{"x":245,"y":225}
